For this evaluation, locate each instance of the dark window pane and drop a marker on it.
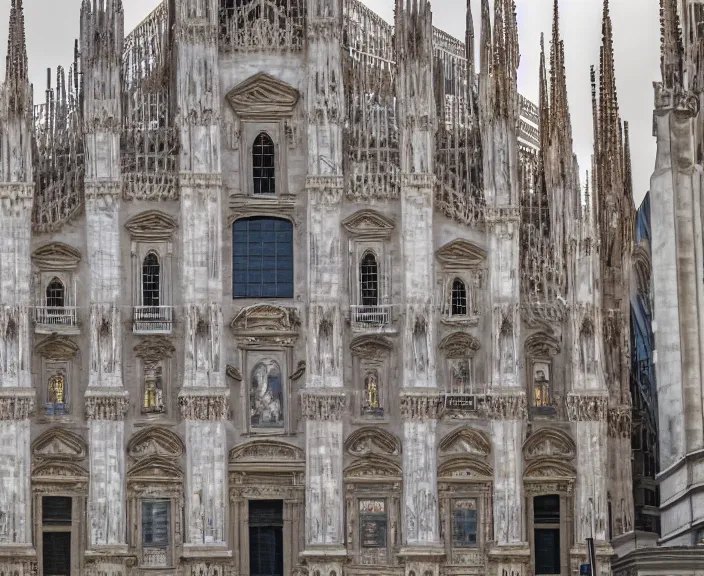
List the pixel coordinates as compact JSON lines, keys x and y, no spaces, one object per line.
{"x":155,"y":523}
{"x":56,"y":510}
{"x":56,"y":553}
{"x":150,"y":280}
{"x":262,"y":165}
{"x":547,"y":551}
{"x":546,"y":509}
{"x":266,"y":538}
{"x":263,"y":249}
{"x":464,"y":524}
{"x":372,"y":523}
{"x":369,"y":280}
{"x":459,"y":298}
{"x":55,"y":294}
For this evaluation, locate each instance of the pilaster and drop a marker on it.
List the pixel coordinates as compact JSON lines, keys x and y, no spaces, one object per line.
{"x":204,"y":397}
{"x":323,"y":401}
{"x":17,"y":396}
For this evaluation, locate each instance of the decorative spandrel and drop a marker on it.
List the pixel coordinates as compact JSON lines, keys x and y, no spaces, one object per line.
{"x":266,"y":396}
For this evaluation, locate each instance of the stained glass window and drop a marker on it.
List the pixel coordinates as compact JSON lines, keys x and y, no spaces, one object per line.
{"x":464,"y":523}
{"x":262,"y":262}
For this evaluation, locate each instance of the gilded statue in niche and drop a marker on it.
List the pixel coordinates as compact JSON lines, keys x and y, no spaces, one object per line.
{"x":56,"y":394}
{"x":266,"y":396}
{"x":541,"y":384}
{"x":372,"y":398}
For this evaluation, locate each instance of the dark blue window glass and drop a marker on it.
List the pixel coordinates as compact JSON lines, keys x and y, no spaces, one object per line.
{"x":262,"y":258}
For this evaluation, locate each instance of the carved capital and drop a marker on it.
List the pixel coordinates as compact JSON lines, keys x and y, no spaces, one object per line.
{"x":420,"y":405}
{"x":17,"y":403}
{"x":507,"y":406}
{"x":204,"y":404}
{"x":587,"y":407}
{"x":620,"y":421}
{"x":106,"y":404}
{"x":321,"y":404}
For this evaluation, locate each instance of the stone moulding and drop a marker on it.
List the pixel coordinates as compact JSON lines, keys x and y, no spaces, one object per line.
{"x":59,"y":444}
{"x":585,"y":407}
{"x":465,"y":468}
{"x":372,"y":440}
{"x":205,"y":404}
{"x":549,"y":442}
{"x":371,"y":467}
{"x":151,"y":226}
{"x":56,"y":256}
{"x":17,"y":403}
{"x":620,"y":421}
{"x":461,"y":254}
{"x":106,"y":404}
{"x":369,"y":224}
{"x":507,"y":406}
{"x":272,"y":452}
{"x":155,"y":441}
{"x":155,"y":469}
{"x":323,"y":405}
{"x":57,"y":347}
{"x":421,"y":404}
{"x":466,"y":441}
{"x":549,"y":469}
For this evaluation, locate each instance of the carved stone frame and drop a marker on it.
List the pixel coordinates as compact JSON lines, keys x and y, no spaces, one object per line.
{"x":372,"y":354}
{"x":542,"y":348}
{"x":464,"y":260}
{"x":266,"y":469}
{"x":374,"y":478}
{"x":59,"y":353}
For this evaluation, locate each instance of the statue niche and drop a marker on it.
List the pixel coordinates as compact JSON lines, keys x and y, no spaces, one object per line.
{"x":587,"y":351}
{"x":507,"y":356}
{"x":541,"y":384}
{"x":420,"y":346}
{"x":372,"y":402}
{"x":266,"y":396}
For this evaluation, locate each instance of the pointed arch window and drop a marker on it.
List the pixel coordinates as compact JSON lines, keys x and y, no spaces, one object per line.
{"x":263,"y":164}
{"x":369,"y":280}
{"x":151,"y":280}
{"x":55,"y":295}
{"x":459,"y":298}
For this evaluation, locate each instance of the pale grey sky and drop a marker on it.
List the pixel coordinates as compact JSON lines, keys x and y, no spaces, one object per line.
{"x":52,"y":26}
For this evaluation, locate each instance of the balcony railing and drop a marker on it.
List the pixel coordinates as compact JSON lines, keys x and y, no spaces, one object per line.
{"x":152,"y":319}
{"x":368,"y":316}
{"x":64,"y":316}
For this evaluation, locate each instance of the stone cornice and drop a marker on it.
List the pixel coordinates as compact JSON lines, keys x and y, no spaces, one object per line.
{"x":106,"y":403}
{"x":204,"y":404}
{"x":420,"y":404}
{"x":507,"y":405}
{"x":17,"y":403}
{"x":321,"y":404}
{"x":587,"y":406}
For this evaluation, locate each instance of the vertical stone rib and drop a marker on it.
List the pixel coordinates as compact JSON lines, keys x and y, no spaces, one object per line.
{"x":203,"y":400}
{"x":323,"y":401}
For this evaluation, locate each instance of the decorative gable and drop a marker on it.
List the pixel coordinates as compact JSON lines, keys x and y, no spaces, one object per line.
{"x":263,"y":96}
{"x":466,"y":467}
{"x":59,"y":444}
{"x":371,"y":346}
{"x":57,"y":348}
{"x":151,"y":226}
{"x":373,"y":467}
{"x":549,"y":442}
{"x":155,"y":469}
{"x":154,"y":349}
{"x":542,"y":345}
{"x":370,"y":440}
{"x":369,"y":224}
{"x":459,"y":345}
{"x":56,"y":256}
{"x":155,"y":441}
{"x":466,"y":441}
{"x":266,"y":319}
{"x":545,"y":469}
{"x":461,"y":254}
{"x":57,"y":471}
{"x":266,"y":451}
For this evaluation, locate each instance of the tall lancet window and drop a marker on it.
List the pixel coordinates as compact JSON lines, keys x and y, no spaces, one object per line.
{"x":55,"y":295}
{"x":369,"y":280}
{"x":459,"y":298}
{"x":263,"y":165}
{"x":151,"y":270}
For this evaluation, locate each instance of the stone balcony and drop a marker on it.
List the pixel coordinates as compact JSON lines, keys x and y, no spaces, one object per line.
{"x":370,"y":317}
{"x":152,"y":319}
{"x":53,"y":320}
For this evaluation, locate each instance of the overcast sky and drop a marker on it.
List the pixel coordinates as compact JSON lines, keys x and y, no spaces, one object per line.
{"x":52,"y":26}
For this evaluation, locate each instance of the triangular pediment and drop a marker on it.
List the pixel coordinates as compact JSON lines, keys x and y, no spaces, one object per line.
{"x":466,"y":441}
{"x":151,"y":226}
{"x":156,"y":468}
{"x":372,"y":440}
{"x":57,"y":348}
{"x":466,"y":467}
{"x":549,"y":469}
{"x":461,"y":254}
{"x":58,"y":471}
{"x":59,"y":444}
{"x":373,"y":467}
{"x":263,"y":96}
{"x":549,"y":442}
{"x":459,"y":345}
{"x":369,"y":223}
{"x":266,"y":318}
{"x":266,"y":451}
{"x":56,"y":256}
{"x":155,"y":441}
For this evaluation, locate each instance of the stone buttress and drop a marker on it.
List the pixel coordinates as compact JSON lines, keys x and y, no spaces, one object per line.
{"x":323,"y":400}
{"x":17,"y":400}
{"x":203,"y":399}
{"x":106,"y":399}
{"x":422,"y":549}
